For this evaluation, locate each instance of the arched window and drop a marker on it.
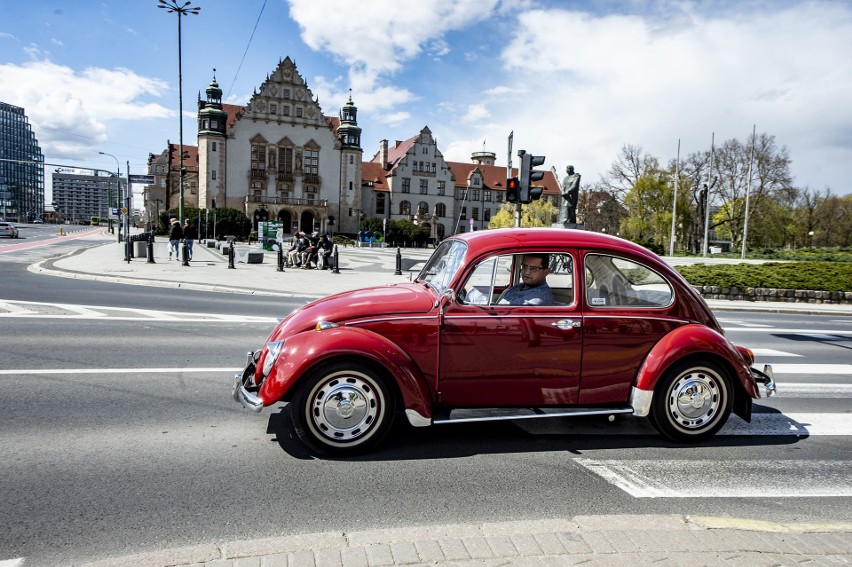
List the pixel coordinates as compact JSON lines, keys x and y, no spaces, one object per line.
{"x":441,"y":210}
{"x":422,"y":208}
{"x":404,"y":207}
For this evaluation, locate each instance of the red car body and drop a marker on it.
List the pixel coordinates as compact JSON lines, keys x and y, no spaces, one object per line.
{"x":629,"y":335}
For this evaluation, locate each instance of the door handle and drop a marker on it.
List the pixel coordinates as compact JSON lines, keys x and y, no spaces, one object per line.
{"x":566,"y":324}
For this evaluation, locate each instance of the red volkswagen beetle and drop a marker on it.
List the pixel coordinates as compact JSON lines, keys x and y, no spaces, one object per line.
{"x":506,"y":324}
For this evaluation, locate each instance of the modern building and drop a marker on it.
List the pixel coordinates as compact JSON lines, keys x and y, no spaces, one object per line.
{"x":77,"y":197}
{"x":21,"y":180}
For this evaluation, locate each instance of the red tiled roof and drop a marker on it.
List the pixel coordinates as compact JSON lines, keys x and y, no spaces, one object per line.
{"x":371,"y":172}
{"x":190,"y":162}
{"x":234,"y":112}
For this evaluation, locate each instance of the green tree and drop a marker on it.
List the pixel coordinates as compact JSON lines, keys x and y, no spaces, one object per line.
{"x":650,"y":206}
{"x":540,"y":212}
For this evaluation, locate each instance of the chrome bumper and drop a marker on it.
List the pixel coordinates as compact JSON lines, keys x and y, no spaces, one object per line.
{"x":241,"y":392}
{"x":765,"y":377}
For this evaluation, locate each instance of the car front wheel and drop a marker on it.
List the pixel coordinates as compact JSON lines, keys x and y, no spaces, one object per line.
{"x":692,"y":402}
{"x":342,"y":409}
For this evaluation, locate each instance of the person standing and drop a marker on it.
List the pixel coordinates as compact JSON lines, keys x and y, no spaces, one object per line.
{"x":175,"y":234}
{"x":190,"y":235}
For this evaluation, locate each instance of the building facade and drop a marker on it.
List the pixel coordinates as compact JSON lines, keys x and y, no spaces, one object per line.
{"x":79,"y":197}
{"x":279,"y":158}
{"x":21,"y":182}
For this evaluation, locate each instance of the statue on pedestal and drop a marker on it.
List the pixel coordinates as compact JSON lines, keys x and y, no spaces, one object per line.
{"x":570,"y":190}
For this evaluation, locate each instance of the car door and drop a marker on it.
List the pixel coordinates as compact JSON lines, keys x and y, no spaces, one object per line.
{"x":495,"y":355}
{"x":627,"y":311}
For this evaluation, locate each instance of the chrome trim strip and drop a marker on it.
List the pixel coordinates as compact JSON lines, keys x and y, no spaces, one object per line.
{"x":249,"y":400}
{"x":567,"y":413}
{"x":417,"y":420}
{"x":640,"y":401}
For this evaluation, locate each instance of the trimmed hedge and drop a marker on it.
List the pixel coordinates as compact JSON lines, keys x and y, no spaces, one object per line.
{"x":820,"y":276}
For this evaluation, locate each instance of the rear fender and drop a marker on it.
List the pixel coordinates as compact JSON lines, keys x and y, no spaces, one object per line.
{"x":698,"y":340}
{"x":305,"y":351}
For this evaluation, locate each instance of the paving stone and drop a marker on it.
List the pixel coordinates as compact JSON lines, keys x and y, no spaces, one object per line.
{"x":404,"y":553}
{"x":502,"y":546}
{"x":429,"y":551}
{"x":328,"y":558}
{"x":598,"y":543}
{"x":526,"y":545}
{"x":621,"y":542}
{"x":279,"y":560}
{"x":301,"y":559}
{"x":454,"y":549}
{"x":354,"y":557}
{"x":477,"y":547}
{"x":573,"y":543}
{"x":378,"y":554}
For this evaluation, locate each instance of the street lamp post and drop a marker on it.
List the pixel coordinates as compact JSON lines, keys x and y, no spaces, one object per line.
{"x":171,"y":6}
{"x":118,"y":193}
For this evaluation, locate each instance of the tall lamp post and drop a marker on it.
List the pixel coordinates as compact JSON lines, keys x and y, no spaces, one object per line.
{"x":171,"y":6}
{"x":118,"y":193}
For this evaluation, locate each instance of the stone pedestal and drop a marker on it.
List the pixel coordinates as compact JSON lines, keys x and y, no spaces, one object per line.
{"x":571,"y":225}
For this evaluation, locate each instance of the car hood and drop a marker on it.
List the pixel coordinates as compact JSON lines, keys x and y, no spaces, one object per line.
{"x":379,"y":301}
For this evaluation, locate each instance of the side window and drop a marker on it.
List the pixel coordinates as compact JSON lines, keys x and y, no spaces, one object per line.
{"x":487,"y":281}
{"x":491,"y":282}
{"x":616,"y":282}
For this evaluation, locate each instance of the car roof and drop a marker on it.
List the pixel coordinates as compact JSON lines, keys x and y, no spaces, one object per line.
{"x":483,"y":241}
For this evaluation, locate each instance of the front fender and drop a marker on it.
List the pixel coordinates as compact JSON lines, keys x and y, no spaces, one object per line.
{"x":305,"y":351}
{"x":690,"y":340}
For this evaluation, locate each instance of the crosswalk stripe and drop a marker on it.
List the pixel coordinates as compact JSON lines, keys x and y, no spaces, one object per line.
{"x":662,"y":478}
{"x":762,"y":353}
{"x":821,"y":369}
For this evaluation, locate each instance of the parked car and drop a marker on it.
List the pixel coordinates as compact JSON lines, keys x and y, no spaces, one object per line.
{"x":621,"y":332}
{"x":8,"y":229}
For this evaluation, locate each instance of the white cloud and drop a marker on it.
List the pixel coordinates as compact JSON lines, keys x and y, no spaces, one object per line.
{"x":476,"y":113}
{"x":69,"y":110}
{"x":598,"y":82}
{"x":381,"y":35}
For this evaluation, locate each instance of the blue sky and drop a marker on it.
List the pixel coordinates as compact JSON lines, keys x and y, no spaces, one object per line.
{"x":574,"y":81}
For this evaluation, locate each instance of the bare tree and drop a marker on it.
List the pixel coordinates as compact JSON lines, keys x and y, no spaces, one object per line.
{"x":630,"y":165}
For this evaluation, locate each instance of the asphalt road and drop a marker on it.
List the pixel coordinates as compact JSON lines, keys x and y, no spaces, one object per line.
{"x":120,"y":436}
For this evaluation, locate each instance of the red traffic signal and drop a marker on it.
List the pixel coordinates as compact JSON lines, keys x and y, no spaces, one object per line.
{"x":512,"y":189}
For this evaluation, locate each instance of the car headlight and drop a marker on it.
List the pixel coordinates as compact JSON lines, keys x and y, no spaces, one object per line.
{"x":274,"y":349}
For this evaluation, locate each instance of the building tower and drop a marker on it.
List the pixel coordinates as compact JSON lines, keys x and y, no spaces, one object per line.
{"x":349,"y":135}
{"x":212,"y":148}
{"x":21,"y":180}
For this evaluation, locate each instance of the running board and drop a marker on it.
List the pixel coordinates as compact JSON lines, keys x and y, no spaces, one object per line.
{"x":468,"y":415}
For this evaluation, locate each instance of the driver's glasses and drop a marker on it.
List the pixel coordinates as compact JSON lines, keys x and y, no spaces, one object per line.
{"x":532,"y":269}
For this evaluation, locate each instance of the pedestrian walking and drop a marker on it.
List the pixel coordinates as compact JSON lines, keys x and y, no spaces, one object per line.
{"x":175,"y":234}
{"x":190,"y":235}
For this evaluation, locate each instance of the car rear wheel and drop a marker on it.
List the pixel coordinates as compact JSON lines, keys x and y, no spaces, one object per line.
{"x":342,"y":409}
{"x":692,"y":401}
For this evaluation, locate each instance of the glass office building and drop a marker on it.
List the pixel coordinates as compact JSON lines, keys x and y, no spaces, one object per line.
{"x":21,"y":180}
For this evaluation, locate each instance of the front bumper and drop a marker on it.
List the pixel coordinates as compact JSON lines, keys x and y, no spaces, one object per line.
{"x":765,"y":377}
{"x":244,"y":386}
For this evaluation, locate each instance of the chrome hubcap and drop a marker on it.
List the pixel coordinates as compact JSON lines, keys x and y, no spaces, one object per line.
{"x":695,"y":399}
{"x":344,"y":407}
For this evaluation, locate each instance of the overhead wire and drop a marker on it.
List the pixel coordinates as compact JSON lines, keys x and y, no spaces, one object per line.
{"x":246,"y":51}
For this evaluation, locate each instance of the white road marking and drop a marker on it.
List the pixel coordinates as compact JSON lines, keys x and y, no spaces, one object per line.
{"x":833,"y":369}
{"x":770,"y":352}
{"x":742,"y":323}
{"x":798,"y":424}
{"x":17,"y":562}
{"x":39,"y":310}
{"x":725,"y":479}
{"x":813,"y":390}
{"x":805,"y":332}
{"x":42,"y":371}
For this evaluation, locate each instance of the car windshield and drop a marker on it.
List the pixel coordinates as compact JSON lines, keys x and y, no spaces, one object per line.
{"x":441,"y":268}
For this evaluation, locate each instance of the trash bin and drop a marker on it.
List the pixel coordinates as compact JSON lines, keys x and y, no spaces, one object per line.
{"x":140,"y":248}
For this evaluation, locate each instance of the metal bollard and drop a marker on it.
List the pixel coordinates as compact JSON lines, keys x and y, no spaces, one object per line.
{"x":127,"y":249}
{"x":151,"y":248}
{"x":280,"y":258}
{"x":398,"y":271}
{"x":336,"y":269}
{"x":185,"y":255}
{"x":231,"y":256}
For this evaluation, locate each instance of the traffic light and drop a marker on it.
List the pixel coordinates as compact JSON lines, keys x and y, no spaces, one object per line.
{"x":528,"y":176}
{"x":512,"y":190}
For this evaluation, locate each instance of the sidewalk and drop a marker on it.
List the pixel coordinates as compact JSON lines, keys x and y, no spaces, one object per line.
{"x":624,"y":540}
{"x":358,"y":267}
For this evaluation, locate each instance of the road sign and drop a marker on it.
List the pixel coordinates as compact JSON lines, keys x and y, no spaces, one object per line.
{"x":142,"y":179}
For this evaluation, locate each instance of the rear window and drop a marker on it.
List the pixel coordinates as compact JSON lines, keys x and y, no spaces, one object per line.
{"x":616,"y":282}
